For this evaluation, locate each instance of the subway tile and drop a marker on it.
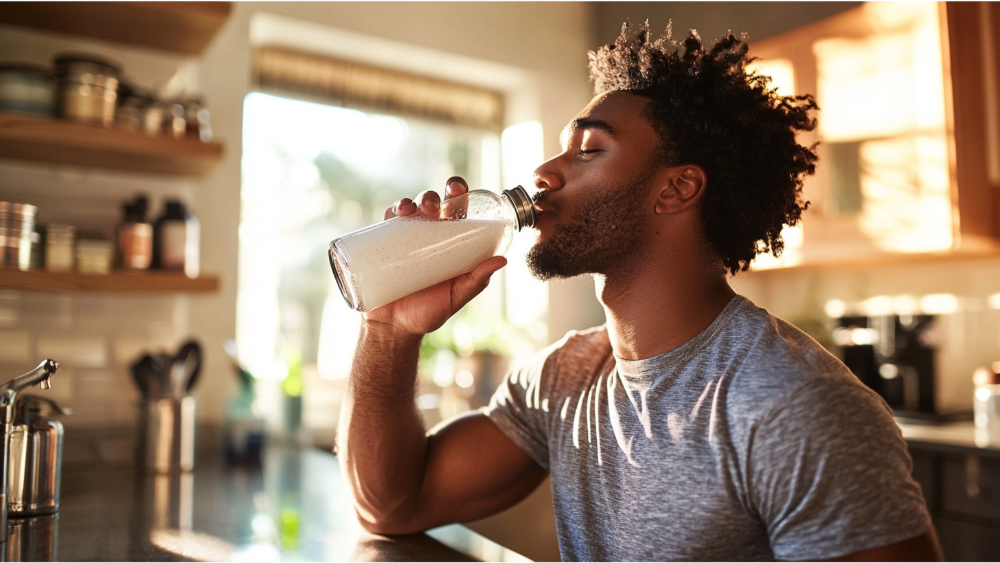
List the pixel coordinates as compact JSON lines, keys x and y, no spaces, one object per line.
{"x":95,"y":387}
{"x":8,"y":315}
{"x":74,"y":351}
{"x":15,"y":346}
{"x":63,"y":384}
{"x":45,"y":310}
{"x":129,"y":348}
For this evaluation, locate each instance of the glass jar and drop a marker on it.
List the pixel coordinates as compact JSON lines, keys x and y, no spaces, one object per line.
{"x":88,"y":89}
{"x":59,"y":247}
{"x":27,"y":89}
{"x":383,"y":262}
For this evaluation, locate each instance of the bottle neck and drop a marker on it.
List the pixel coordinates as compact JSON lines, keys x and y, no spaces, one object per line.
{"x":524,"y":209}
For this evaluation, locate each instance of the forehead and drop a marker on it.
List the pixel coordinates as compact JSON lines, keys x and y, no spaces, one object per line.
{"x":623,"y":113}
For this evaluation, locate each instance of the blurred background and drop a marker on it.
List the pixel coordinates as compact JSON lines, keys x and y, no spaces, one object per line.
{"x":278,"y":126}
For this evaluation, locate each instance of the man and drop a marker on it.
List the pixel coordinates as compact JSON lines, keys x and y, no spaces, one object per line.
{"x":694,"y":425}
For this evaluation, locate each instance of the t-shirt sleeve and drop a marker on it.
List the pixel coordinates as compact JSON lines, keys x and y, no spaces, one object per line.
{"x":829,"y":474}
{"x":519,"y":409}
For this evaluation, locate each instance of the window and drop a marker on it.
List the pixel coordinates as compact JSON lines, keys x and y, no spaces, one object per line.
{"x":312,"y":172}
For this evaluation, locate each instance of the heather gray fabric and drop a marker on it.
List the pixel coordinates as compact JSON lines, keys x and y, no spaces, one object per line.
{"x":748,"y":442}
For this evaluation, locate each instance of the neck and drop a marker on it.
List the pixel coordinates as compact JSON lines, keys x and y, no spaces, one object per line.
{"x":661,"y":305}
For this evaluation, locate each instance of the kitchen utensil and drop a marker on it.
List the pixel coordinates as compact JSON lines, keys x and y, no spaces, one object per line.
{"x":166,"y":434}
{"x":41,"y":376}
{"x":140,"y":376}
{"x":186,"y":367}
{"x":35,"y":465}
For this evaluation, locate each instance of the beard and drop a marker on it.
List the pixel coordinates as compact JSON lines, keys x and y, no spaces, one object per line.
{"x":607,"y":229}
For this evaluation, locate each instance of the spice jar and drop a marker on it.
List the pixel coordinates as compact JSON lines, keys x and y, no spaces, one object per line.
{"x":59,"y":247}
{"x":27,"y":89}
{"x":88,"y":88}
{"x":94,"y":256}
{"x":381,"y":263}
{"x":176,"y":237}
{"x":196,"y":117}
{"x":17,"y":229}
{"x":135,"y":237}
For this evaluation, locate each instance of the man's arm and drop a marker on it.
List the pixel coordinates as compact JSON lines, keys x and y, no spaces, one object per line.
{"x":404,"y":481}
{"x":921,"y":549}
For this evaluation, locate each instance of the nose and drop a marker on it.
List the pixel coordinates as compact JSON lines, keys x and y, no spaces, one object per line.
{"x":547,"y":176}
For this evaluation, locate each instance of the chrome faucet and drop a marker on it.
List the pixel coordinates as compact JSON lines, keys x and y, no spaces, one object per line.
{"x":41,"y":376}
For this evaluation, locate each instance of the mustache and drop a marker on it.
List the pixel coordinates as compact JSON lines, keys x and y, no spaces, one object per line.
{"x":537,"y":197}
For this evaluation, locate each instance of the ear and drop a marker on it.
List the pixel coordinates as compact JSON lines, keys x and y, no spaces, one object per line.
{"x":681,"y":188}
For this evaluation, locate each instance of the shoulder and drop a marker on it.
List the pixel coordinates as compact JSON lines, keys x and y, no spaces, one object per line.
{"x":576,"y":349}
{"x":774,"y":367}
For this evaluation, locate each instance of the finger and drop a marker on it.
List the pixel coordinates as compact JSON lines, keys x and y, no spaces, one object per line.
{"x":456,"y":185}
{"x":404,"y":207}
{"x":389,"y":213}
{"x":428,"y":201}
{"x":473,"y":283}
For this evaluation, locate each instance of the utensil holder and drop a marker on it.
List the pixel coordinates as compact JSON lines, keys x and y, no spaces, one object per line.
{"x":166,"y":434}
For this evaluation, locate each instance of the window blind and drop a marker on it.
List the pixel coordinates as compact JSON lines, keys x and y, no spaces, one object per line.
{"x":356,"y":84}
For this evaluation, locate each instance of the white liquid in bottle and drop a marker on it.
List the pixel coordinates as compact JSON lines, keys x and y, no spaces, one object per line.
{"x":392,"y":259}
{"x":404,"y":255}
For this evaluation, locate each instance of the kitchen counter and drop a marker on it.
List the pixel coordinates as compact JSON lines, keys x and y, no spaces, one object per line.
{"x":293,"y":507}
{"x":953,"y":437}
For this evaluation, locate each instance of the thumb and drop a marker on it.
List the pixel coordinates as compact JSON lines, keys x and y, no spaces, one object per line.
{"x":473,"y":283}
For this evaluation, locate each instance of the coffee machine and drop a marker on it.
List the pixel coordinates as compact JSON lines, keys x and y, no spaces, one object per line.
{"x":894,"y":355}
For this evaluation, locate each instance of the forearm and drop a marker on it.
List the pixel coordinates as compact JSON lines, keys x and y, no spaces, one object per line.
{"x":381,"y":442}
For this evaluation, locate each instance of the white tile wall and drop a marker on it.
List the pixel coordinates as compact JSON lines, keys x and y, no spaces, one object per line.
{"x":95,"y":338}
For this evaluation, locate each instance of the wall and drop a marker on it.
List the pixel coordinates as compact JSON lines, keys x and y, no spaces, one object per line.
{"x":712,"y":19}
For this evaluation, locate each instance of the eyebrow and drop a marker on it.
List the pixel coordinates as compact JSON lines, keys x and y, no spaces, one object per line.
{"x":588,"y":123}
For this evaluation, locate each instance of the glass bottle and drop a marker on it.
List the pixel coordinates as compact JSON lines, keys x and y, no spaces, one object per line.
{"x":383,"y":262}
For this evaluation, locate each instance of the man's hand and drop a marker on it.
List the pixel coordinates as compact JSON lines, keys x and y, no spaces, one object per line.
{"x":426,"y":310}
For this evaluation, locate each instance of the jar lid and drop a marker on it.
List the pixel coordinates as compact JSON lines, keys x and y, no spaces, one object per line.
{"x":63,"y":61}
{"x":523,"y":206}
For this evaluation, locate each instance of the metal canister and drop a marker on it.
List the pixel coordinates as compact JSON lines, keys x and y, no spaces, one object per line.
{"x":34,"y":471}
{"x":88,"y":88}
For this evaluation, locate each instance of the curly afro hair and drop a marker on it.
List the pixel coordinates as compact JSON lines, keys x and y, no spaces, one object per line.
{"x":710,"y":111}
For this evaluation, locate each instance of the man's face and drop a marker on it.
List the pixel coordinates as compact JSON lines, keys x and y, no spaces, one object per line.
{"x":595,"y":198}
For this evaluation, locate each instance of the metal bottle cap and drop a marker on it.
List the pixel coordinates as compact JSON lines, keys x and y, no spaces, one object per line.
{"x":519,"y":198}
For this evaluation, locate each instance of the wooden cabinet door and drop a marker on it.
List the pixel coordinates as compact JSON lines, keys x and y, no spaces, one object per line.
{"x":909,"y":129}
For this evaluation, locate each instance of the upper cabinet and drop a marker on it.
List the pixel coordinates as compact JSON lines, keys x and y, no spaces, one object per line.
{"x":909,"y":131}
{"x":182,"y":27}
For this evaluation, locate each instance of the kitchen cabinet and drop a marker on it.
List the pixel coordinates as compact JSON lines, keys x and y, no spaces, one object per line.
{"x":182,"y":27}
{"x":963,"y":497}
{"x":909,"y":132}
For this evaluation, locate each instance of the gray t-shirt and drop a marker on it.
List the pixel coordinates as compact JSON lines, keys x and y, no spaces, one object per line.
{"x":748,"y":442}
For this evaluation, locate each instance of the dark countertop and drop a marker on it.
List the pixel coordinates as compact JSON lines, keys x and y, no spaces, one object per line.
{"x":293,"y":507}
{"x":961,"y":438}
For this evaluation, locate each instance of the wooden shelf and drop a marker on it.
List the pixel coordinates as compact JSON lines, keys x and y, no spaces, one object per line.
{"x":144,"y":282}
{"x":50,"y":140}
{"x":183,"y":27}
